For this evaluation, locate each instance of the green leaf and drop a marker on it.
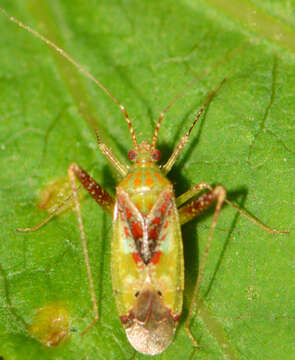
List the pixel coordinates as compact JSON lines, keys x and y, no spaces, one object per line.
{"x":145,"y":52}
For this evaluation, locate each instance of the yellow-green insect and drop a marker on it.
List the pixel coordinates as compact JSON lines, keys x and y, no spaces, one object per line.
{"x":147,"y":255}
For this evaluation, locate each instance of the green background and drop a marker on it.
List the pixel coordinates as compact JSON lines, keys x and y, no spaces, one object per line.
{"x":145,"y":52}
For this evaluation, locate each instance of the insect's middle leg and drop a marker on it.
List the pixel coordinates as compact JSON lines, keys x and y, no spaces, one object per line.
{"x":106,"y":201}
{"x":189,"y":211}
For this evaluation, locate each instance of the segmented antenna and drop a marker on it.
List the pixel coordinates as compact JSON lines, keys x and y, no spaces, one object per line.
{"x":167,"y":167}
{"x":167,"y":108}
{"x":79,"y":67}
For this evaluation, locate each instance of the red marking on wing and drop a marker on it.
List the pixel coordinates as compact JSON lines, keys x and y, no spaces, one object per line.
{"x":156,"y":257}
{"x":136,"y":258}
{"x":163,"y":208}
{"x":163,"y":237}
{"x":128,"y":213}
{"x":157,"y":221}
{"x":153,"y":233}
{"x":154,"y":228}
{"x":126,"y":231}
{"x":136,"y":230}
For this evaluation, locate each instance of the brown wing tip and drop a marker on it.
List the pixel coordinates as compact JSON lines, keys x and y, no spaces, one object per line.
{"x":153,"y":337}
{"x":150,"y":325}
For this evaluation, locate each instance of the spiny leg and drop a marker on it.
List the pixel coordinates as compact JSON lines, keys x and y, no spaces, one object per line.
{"x":193,"y":208}
{"x":188,"y":195}
{"x":105,"y":200}
{"x":98,"y":193}
{"x":189,"y":211}
{"x":43,"y":222}
{"x":57,"y":209}
{"x":196,"y":206}
{"x":254,"y":220}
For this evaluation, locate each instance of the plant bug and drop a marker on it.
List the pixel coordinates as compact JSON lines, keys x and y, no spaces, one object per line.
{"x":147,"y":256}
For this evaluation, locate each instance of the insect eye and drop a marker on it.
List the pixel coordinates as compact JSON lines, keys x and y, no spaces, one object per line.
{"x":132,"y":155}
{"x":156,"y":155}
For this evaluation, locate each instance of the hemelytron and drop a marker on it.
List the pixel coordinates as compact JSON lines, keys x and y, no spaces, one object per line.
{"x":147,"y":256}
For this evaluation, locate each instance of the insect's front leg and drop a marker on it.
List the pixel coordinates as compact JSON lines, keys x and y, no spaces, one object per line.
{"x":190,"y":210}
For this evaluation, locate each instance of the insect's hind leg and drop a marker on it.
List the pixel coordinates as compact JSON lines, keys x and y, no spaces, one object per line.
{"x":189,"y":211}
{"x":97,"y":192}
{"x":103,"y":199}
{"x":193,"y":206}
{"x":197,"y":205}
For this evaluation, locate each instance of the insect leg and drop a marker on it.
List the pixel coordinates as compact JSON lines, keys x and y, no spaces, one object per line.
{"x":107,"y":203}
{"x":96,"y":191}
{"x":192,"y":209}
{"x":188,"y":195}
{"x":101,"y":196}
{"x":196,"y":206}
{"x":254,"y":220}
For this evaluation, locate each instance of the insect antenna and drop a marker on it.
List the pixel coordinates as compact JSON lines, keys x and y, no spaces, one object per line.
{"x":167,"y":108}
{"x":79,"y":67}
{"x":167,"y":167}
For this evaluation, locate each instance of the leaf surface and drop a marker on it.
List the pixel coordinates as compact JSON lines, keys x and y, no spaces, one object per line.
{"x":145,"y":53}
